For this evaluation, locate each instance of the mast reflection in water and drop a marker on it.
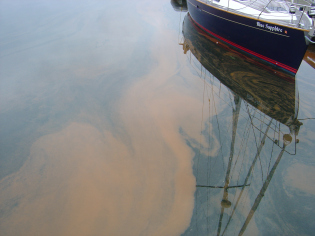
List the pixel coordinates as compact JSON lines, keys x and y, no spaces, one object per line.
{"x":242,"y":152}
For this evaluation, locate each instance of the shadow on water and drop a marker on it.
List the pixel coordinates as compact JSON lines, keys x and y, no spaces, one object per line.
{"x":249,"y":117}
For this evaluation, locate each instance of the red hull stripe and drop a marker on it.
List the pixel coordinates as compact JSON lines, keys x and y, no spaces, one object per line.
{"x":249,"y":51}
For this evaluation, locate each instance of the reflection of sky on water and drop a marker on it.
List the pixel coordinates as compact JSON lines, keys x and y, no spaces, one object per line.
{"x":99,"y":112}
{"x":89,"y":145}
{"x":51,"y":79}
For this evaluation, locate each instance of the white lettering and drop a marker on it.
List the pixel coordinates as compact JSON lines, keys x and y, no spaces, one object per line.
{"x":269,"y":27}
{"x":273,"y":28}
{"x":260,"y":24}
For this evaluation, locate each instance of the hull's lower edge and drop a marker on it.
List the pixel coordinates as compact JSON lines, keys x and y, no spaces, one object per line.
{"x":269,"y":60}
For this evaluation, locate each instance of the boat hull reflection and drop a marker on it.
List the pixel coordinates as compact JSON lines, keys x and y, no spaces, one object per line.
{"x":269,"y":90}
{"x":235,"y":166}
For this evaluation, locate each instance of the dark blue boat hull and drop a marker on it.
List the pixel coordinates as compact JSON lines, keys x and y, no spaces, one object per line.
{"x":276,"y":44}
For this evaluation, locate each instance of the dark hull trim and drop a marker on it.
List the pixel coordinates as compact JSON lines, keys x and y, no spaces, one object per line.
{"x":284,"y":47}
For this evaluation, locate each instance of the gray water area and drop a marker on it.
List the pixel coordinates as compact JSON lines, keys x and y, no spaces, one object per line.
{"x":117,"y":119}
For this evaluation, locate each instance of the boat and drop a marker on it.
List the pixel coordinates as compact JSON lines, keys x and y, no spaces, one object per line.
{"x":262,"y":129}
{"x":274,"y":31}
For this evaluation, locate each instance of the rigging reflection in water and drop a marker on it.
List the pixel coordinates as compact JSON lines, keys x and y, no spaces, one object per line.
{"x":263,"y":126}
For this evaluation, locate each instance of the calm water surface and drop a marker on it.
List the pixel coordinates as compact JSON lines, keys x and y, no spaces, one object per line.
{"x":121,"y":118}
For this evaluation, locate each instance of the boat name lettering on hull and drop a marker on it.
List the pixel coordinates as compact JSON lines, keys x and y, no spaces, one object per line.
{"x":269,"y":27}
